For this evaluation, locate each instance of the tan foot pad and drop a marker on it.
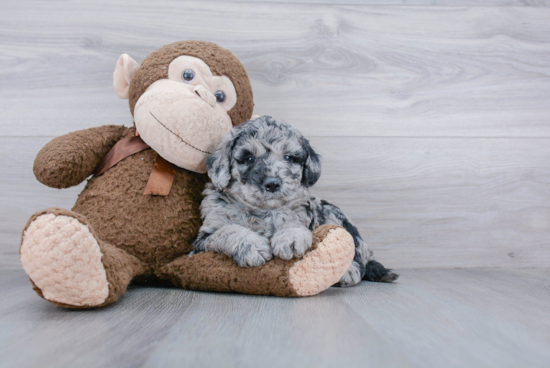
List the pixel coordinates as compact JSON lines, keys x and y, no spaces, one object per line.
{"x":63,"y":259}
{"x":324,"y":266}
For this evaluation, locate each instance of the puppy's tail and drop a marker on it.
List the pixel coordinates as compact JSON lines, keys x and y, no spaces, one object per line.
{"x":378,"y":273}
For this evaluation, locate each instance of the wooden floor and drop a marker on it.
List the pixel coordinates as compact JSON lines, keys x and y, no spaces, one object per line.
{"x":430,"y":318}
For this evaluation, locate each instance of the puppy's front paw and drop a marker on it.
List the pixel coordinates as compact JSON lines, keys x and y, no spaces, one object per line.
{"x":291,"y":242}
{"x":252,"y":251}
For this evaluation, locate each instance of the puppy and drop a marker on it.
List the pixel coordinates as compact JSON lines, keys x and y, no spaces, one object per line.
{"x":259,"y":205}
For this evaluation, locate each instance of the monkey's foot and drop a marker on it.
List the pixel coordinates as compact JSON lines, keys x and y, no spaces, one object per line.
{"x":321,"y":267}
{"x":324,"y":266}
{"x":63,"y":260}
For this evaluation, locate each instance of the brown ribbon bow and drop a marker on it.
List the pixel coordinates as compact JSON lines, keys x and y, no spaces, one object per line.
{"x":163,"y":173}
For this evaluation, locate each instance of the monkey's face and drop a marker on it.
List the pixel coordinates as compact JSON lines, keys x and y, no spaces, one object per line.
{"x":185,"y":96}
{"x":184,"y":117}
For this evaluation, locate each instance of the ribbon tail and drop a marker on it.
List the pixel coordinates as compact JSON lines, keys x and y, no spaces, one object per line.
{"x":161,"y":179}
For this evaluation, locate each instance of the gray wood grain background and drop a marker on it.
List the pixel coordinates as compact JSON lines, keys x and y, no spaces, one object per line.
{"x":433,"y":119}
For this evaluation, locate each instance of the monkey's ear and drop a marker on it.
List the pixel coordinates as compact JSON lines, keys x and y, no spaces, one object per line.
{"x":219,"y":162}
{"x":312,"y":167}
{"x":124,"y":72}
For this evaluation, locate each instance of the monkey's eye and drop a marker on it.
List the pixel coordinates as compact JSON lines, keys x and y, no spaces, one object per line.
{"x":220,"y":96}
{"x":250,"y":159}
{"x":188,"y":75}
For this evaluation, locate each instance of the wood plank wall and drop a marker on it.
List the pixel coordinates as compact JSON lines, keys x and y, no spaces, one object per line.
{"x":433,"y":119}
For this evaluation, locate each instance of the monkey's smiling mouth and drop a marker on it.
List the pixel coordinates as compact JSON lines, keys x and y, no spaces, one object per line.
{"x":180,"y":138}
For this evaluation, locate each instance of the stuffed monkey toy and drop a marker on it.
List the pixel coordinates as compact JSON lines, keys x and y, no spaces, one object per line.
{"x":139,"y":213}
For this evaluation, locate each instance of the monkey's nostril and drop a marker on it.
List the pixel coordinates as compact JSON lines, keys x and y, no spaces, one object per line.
{"x":205,"y":95}
{"x":272,"y":184}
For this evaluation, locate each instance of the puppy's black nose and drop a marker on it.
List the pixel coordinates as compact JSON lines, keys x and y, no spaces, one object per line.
{"x":272,"y":184}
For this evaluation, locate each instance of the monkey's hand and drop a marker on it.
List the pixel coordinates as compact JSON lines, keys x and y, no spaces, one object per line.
{"x":68,"y":160}
{"x":291,"y":242}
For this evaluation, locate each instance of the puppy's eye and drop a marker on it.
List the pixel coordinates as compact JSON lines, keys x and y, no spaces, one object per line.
{"x":289,"y":158}
{"x":188,"y":75}
{"x":250,"y":159}
{"x":220,"y":96}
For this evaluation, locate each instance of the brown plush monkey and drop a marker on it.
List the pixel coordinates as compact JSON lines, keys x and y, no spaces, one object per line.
{"x":139,"y":214}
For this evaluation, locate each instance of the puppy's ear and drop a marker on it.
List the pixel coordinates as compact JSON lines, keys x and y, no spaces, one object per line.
{"x":312,"y":166}
{"x":219,"y":162}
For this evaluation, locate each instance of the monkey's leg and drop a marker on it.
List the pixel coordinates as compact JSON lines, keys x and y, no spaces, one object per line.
{"x":321,"y":267}
{"x":69,"y":266}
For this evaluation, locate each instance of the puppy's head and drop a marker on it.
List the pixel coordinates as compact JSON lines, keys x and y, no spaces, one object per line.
{"x":264,"y":162}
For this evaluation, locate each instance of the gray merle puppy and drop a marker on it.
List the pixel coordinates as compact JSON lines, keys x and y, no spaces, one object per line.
{"x":259,"y":205}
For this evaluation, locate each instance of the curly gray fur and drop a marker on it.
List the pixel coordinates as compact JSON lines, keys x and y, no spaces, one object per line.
{"x":259,"y":205}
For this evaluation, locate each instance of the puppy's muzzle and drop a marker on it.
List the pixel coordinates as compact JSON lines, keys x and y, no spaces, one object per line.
{"x":272,"y":185}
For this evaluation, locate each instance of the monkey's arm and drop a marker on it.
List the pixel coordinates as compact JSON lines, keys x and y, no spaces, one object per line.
{"x":68,"y":160}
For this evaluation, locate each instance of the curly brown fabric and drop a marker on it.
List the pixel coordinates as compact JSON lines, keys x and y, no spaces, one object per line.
{"x":68,"y":160}
{"x":154,"y":229}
